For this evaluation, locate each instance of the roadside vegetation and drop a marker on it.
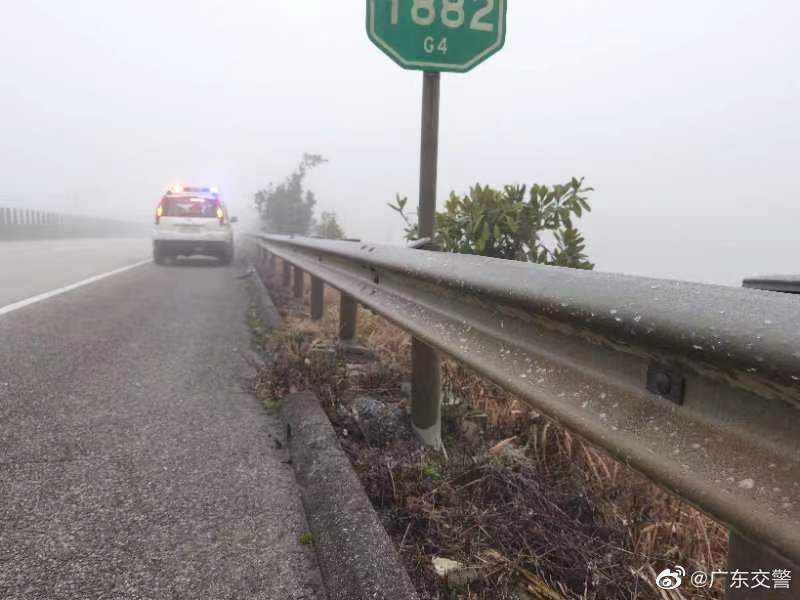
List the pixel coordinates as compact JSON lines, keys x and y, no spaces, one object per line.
{"x":288,"y":208}
{"x":527,"y":509}
{"x":535,"y":224}
{"x":329,"y":226}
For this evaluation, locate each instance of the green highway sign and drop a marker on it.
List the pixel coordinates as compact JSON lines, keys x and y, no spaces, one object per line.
{"x":437,"y":35}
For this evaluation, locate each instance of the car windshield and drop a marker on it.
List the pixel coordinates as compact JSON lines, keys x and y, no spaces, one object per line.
{"x":190,"y":206}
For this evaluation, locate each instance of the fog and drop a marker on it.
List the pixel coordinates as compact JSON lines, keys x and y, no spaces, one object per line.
{"x":682,"y":115}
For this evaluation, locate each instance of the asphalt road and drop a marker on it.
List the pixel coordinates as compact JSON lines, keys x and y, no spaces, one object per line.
{"x":29,"y":268}
{"x":132,"y":462}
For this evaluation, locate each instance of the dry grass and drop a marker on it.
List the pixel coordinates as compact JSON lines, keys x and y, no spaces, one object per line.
{"x":550,"y":517}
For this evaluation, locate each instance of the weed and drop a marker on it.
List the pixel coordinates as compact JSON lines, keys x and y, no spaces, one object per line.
{"x":432,"y":471}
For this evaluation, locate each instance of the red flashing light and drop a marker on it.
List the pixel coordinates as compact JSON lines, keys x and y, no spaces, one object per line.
{"x":160,"y":211}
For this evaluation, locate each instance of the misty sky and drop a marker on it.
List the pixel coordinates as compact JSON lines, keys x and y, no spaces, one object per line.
{"x":683,"y":115}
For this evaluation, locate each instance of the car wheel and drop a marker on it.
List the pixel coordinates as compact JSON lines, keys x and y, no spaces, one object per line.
{"x":158,"y":255}
{"x":226,"y":257}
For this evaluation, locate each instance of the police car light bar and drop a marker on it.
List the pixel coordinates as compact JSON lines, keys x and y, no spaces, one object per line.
{"x":182,"y":189}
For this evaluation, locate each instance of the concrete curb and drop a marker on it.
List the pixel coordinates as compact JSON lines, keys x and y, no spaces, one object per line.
{"x":356,"y":556}
{"x":267,"y":312}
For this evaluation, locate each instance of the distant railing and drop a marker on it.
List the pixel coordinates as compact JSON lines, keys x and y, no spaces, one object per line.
{"x":696,"y":386}
{"x":23,"y":223}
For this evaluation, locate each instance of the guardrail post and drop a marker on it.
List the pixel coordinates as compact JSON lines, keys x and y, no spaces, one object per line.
{"x":287,"y":273}
{"x":348,"y":318}
{"x":426,"y":393}
{"x":317,"y":298}
{"x":299,"y":283}
{"x":748,"y":557}
{"x":273,"y":262}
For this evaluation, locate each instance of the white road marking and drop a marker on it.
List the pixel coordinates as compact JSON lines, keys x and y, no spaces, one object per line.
{"x":53,"y":293}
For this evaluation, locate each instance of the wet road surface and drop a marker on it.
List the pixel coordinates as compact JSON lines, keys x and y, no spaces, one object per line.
{"x":132,"y":463}
{"x":29,"y":268}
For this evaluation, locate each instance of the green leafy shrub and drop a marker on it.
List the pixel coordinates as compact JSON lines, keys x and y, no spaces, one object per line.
{"x":536,"y":225}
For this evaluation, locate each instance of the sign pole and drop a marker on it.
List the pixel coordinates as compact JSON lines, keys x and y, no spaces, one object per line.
{"x":426,"y":378}
{"x":429,"y":155}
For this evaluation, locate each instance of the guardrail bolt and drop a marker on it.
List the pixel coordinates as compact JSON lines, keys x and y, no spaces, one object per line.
{"x":317,"y":298}
{"x":287,"y":273}
{"x":348,"y":319}
{"x":299,"y":282}
{"x":666,"y":383}
{"x":663,"y":384}
{"x":426,"y":393}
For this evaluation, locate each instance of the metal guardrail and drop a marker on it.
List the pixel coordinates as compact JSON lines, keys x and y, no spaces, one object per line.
{"x":10,"y":216}
{"x":23,"y":223}
{"x":788,"y":284}
{"x":696,"y":386}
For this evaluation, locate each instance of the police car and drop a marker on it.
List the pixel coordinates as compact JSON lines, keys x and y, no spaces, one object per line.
{"x":192,"y":221}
